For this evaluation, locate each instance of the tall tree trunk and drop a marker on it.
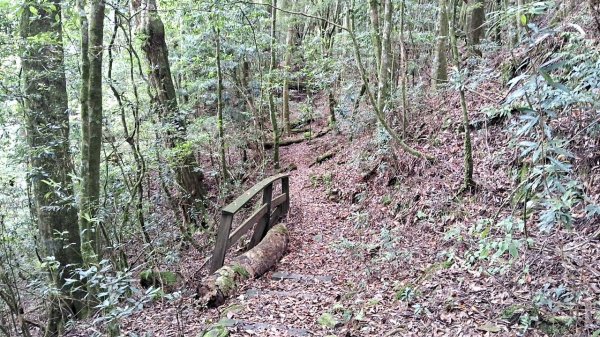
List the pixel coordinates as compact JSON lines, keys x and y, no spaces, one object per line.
{"x":404,"y":70}
{"x":272,"y":108}
{"x":476,"y":23}
{"x":87,"y":236}
{"x":468,"y":182}
{"x":518,"y":26}
{"x":385,"y":71}
{"x":289,"y":41}
{"x":47,"y":124}
{"x":189,"y":178}
{"x":375,"y":32}
{"x":440,"y":63}
{"x":92,"y":141}
{"x":220,"y":128}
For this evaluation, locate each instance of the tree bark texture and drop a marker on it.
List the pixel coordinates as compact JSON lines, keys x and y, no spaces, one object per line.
{"x":440,"y":63}
{"x":189,"y":178}
{"x":375,"y":32}
{"x":476,"y":25}
{"x":92,"y":139}
{"x":220,"y":126}
{"x":286,"y":85}
{"x":385,"y":71}
{"x":47,"y":124}
{"x":252,"y":264}
{"x":272,"y":107}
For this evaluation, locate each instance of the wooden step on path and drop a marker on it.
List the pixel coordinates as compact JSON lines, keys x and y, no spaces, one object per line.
{"x":253,"y":293}
{"x":263,"y":327}
{"x":282,"y":276}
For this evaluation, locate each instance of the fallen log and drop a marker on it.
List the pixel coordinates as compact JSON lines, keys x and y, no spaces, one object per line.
{"x":323,"y":157}
{"x":295,"y":140}
{"x":252,"y":264}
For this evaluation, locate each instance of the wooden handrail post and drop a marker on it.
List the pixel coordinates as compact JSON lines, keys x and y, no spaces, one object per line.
{"x":221,"y":245}
{"x":262,"y":226}
{"x":285,"y":188}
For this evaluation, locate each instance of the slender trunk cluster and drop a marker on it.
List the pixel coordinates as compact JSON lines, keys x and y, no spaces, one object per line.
{"x":468,"y":182}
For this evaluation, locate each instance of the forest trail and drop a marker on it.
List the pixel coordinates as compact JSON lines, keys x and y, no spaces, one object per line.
{"x":310,"y":278}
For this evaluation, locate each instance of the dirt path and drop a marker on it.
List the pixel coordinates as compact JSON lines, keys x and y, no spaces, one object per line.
{"x":308,"y":281}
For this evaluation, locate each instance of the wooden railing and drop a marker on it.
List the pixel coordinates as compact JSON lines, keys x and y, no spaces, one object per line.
{"x":272,"y":208}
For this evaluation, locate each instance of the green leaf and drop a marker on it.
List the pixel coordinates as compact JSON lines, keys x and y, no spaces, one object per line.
{"x":523,"y":20}
{"x":33,"y":10}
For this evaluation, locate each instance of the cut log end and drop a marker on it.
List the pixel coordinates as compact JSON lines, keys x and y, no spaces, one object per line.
{"x":222,"y":284}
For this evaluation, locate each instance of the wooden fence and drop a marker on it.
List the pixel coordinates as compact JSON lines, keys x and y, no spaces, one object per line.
{"x":272,"y":208}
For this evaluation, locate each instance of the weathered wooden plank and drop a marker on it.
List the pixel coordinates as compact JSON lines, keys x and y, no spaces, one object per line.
{"x":278,"y":200}
{"x":275,"y":215}
{"x":252,"y":293}
{"x":221,"y":245}
{"x":282,"y":275}
{"x":243,"y":228}
{"x":263,"y":224}
{"x":264,"y":327}
{"x":285,"y":188}
{"x":240,"y":201}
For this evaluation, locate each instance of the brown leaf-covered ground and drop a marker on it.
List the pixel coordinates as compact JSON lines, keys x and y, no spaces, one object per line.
{"x":377,"y":222}
{"x":396,"y":240}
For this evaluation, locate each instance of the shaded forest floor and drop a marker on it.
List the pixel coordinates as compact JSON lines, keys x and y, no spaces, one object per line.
{"x":380,"y":246}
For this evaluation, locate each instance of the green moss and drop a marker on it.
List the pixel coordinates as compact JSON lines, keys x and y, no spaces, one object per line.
{"x":508,"y":72}
{"x":216,"y":331}
{"x":554,"y":329}
{"x":327,"y":320}
{"x":226,"y":279}
{"x":240,"y":271}
{"x":280,"y":229}
{"x":556,"y":325}
{"x":151,"y":278}
{"x":511,"y":311}
{"x":234,"y":308}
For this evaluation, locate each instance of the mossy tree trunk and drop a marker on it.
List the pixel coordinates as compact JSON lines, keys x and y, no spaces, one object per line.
{"x":404,"y":70}
{"x":86,"y":230}
{"x":385,"y":70}
{"x":272,"y":66}
{"x":476,"y":26}
{"x":91,"y":130}
{"x":189,"y":178}
{"x":440,"y":63}
{"x":47,"y":125}
{"x":255,"y":262}
{"x":375,"y":31}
